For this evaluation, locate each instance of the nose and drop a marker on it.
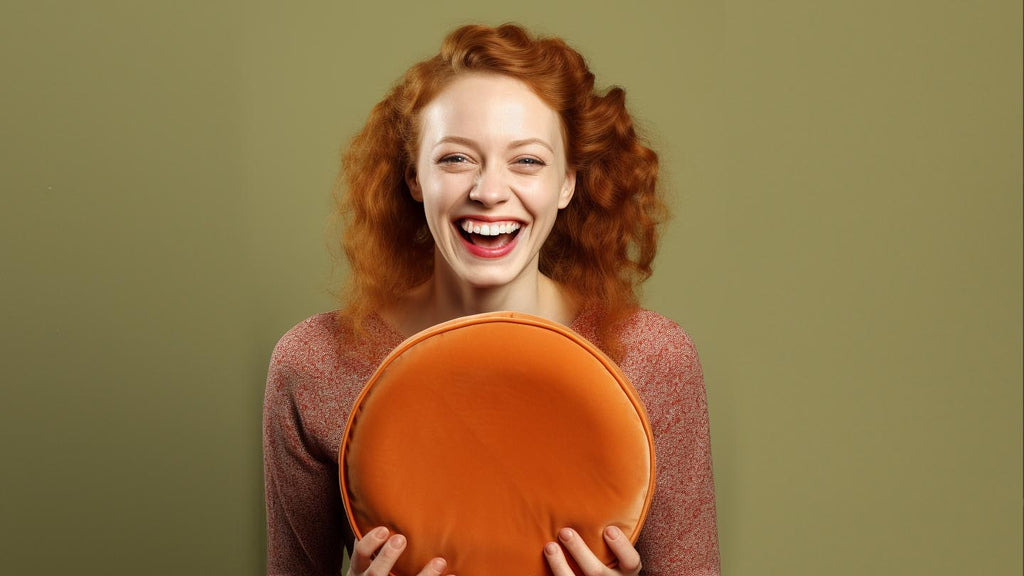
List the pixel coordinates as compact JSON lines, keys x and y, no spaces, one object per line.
{"x":489,"y":188}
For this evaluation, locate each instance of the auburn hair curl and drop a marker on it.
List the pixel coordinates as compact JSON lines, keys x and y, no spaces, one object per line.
{"x":603,"y":243}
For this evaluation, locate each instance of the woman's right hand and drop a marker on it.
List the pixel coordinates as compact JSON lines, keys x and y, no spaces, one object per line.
{"x":378,"y":551}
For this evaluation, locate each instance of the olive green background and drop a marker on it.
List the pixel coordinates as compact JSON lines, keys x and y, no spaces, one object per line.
{"x":846,"y":252}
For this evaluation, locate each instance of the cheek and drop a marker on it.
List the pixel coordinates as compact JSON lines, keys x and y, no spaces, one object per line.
{"x":442,"y":189}
{"x":542,"y":195}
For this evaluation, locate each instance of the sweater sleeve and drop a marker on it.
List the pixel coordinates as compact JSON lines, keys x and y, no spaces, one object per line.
{"x":306,"y":531}
{"x":680,"y":536}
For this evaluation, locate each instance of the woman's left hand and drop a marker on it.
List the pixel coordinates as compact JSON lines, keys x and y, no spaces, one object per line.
{"x":628,"y":557}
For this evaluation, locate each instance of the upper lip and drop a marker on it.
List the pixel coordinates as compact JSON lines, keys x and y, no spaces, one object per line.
{"x":480,"y":218}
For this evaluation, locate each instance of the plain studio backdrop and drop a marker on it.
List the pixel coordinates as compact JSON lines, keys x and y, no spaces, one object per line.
{"x":846,"y":253}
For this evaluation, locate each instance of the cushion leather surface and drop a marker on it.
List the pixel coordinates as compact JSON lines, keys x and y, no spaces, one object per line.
{"x":479,"y":438}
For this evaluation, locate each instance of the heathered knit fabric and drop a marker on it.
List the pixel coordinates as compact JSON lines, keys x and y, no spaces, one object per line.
{"x":318,"y":369}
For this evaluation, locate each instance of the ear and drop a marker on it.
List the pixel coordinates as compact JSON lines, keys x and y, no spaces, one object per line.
{"x":413,"y":183}
{"x":568,"y":189}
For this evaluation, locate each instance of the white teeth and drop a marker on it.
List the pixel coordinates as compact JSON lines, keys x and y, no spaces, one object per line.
{"x":491,"y":229}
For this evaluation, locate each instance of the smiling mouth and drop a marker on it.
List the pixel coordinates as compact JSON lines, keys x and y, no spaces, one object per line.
{"x":489,"y":235}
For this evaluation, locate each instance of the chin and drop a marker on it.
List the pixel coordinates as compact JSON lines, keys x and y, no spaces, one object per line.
{"x":482,"y":274}
{"x":483,"y":281}
{"x":488,"y":275}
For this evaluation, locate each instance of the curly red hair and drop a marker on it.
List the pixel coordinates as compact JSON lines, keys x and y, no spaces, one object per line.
{"x":602,"y":245}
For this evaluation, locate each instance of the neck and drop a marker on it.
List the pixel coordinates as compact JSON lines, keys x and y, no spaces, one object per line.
{"x":450,"y":297}
{"x":444,"y":297}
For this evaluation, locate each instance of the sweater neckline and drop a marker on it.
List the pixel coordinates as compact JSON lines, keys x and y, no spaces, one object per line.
{"x":391,"y":337}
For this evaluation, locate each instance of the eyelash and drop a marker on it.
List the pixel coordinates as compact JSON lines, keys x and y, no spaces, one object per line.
{"x":529,"y":161}
{"x":461,"y":159}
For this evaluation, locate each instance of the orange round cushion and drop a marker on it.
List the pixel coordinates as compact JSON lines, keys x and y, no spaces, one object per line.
{"x":478,"y":439}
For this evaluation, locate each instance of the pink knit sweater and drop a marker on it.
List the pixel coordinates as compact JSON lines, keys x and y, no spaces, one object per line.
{"x":318,"y":369}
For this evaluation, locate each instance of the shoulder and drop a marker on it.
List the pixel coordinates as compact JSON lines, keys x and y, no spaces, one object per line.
{"x":328,"y":350}
{"x":661,"y":361}
{"x":651,"y":336}
{"x":308,"y":352}
{"x":308,"y":379}
{"x":314,"y":331}
{"x":306,"y":391}
{"x":307,"y":341}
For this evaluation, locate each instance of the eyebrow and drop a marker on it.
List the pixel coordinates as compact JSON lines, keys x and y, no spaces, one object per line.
{"x":518,"y":143}
{"x":513,"y":144}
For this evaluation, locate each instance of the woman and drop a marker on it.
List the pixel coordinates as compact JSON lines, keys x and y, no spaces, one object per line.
{"x":492,"y":177}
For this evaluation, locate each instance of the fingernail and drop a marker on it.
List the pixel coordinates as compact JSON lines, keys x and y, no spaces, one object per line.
{"x":398,"y":541}
{"x":551,"y":548}
{"x":611,"y":532}
{"x":381,"y":533}
{"x":437,"y":565}
{"x":565,"y":534}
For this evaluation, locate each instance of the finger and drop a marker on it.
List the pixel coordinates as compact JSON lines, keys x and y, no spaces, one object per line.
{"x":581,"y":553}
{"x":434,"y":568}
{"x":629,"y":558}
{"x":388,"y":555}
{"x":366,"y":547}
{"x":556,"y":560}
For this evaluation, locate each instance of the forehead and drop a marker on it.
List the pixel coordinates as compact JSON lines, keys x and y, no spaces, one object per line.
{"x":489,"y":109}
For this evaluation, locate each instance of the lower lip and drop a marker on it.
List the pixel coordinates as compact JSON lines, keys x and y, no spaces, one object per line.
{"x":482,"y":252}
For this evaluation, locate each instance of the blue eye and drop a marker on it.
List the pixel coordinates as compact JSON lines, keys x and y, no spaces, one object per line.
{"x":453,"y":159}
{"x":530,"y":161}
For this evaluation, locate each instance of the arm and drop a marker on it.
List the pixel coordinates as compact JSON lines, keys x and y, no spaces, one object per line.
{"x":305,"y":520}
{"x":680,"y":536}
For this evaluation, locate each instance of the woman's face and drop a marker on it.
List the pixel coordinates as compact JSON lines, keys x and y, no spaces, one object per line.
{"x":491,"y":173}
